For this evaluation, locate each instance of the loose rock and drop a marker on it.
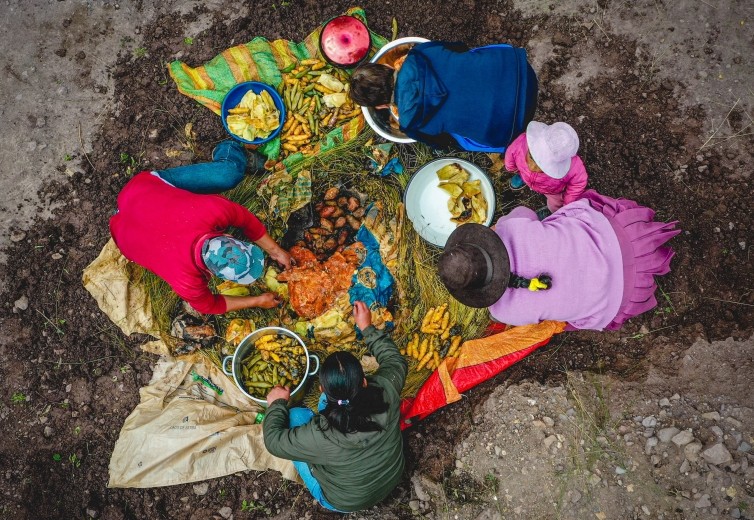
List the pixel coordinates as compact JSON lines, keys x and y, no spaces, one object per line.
{"x":201,"y":489}
{"x":683,"y":438}
{"x":21,"y":304}
{"x":691,"y":451}
{"x":419,"y":489}
{"x":667,"y":433}
{"x":717,"y":454}
{"x":649,"y":422}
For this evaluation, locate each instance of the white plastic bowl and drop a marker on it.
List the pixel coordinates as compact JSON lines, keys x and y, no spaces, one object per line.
{"x":378,"y":119}
{"x":427,"y":204}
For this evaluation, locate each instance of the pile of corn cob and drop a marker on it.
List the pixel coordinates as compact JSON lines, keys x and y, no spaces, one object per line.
{"x":307,"y":115}
{"x":439,"y":338}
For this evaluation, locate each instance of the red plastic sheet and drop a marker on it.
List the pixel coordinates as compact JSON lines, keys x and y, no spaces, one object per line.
{"x":478,"y":361}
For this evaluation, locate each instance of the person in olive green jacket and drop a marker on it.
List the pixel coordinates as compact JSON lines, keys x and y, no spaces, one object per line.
{"x":350,"y":456}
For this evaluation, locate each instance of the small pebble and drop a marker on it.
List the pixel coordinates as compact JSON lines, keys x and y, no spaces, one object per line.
{"x":201,"y":489}
{"x":703,"y":502}
{"x":22,"y":303}
{"x":651,"y":443}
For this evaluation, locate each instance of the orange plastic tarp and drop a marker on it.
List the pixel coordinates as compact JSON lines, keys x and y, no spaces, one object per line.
{"x":479,"y":360}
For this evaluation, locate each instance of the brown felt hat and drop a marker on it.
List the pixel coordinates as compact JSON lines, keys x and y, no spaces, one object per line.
{"x":474,"y":266}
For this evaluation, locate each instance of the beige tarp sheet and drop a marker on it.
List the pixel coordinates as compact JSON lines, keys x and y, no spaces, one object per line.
{"x":181,"y":431}
{"x":127,"y":305}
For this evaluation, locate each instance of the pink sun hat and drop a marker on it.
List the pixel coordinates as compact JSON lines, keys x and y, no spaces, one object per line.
{"x":552,"y":147}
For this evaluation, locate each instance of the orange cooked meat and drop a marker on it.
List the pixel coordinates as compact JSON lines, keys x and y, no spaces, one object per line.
{"x":303,"y":256}
{"x":313,"y":287}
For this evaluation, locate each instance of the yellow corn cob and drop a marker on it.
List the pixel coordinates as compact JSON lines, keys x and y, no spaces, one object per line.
{"x":427,"y":318}
{"x":423,"y":361}
{"x":423,"y":348}
{"x":445,"y":320}
{"x":454,"y":344}
{"x":438,"y":315}
{"x":415,"y":346}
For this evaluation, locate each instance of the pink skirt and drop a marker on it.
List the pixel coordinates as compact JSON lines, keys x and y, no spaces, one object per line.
{"x":642,"y":248}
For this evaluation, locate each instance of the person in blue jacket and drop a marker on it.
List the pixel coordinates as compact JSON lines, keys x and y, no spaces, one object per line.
{"x":445,"y":94}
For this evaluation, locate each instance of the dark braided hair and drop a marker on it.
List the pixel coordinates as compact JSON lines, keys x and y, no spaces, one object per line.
{"x":349,"y":403}
{"x":519,"y":282}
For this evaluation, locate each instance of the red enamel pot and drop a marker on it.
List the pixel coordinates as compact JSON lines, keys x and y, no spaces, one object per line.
{"x":345,"y":41}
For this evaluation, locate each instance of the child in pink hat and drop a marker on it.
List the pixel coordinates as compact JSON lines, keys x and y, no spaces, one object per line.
{"x":546,"y":161}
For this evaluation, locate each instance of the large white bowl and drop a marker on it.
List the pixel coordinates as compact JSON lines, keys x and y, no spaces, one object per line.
{"x":427,"y":204}
{"x":379,"y":119}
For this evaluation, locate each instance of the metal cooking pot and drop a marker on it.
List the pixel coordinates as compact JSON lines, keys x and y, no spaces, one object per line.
{"x":379,"y":120}
{"x":245,"y":348}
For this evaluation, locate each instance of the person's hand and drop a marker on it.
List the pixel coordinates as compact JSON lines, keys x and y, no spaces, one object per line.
{"x":284,"y":258}
{"x":268,"y":300}
{"x":278,"y":392}
{"x":362,"y":315}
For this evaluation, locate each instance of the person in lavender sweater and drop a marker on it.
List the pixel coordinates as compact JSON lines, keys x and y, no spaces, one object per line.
{"x":591,"y":263}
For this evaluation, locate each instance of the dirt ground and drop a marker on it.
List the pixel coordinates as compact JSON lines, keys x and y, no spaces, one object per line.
{"x":661,"y":95}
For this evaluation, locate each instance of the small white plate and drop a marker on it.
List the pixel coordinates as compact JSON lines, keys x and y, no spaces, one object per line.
{"x":427,"y":204}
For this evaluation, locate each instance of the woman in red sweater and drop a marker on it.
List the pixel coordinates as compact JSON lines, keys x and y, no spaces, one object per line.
{"x":172,"y":223}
